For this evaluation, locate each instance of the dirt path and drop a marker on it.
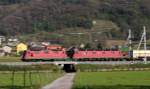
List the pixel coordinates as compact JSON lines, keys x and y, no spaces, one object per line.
{"x":64,"y":82}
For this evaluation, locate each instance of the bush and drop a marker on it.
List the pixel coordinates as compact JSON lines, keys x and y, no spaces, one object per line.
{"x":51,"y":67}
{"x":94,"y":67}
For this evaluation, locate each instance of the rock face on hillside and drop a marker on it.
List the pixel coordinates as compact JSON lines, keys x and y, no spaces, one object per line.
{"x":31,"y":16}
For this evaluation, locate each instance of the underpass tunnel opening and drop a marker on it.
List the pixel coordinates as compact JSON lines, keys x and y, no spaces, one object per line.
{"x":69,"y":68}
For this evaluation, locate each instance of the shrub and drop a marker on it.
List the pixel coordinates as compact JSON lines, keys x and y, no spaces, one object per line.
{"x":94,"y":67}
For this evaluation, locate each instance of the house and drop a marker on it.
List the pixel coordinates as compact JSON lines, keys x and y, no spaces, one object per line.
{"x":2,"y":38}
{"x":21,"y":47}
{"x":13,"y":42}
{"x":112,"y":43}
{"x":7,"y":50}
{"x":1,"y":52}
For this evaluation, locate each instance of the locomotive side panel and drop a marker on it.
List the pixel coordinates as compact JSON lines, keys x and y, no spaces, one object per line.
{"x":98,"y":54}
{"x":62,"y":55}
{"x":29,"y":55}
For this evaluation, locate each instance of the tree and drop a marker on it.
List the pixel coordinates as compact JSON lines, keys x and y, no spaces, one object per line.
{"x":99,"y":46}
{"x":87,"y":46}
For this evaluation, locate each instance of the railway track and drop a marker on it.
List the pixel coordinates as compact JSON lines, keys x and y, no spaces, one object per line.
{"x":63,"y":62}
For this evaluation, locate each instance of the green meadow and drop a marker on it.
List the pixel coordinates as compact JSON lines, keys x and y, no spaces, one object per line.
{"x":28,"y":76}
{"x":10,"y":59}
{"x":112,"y":80}
{"x":29,"y":80}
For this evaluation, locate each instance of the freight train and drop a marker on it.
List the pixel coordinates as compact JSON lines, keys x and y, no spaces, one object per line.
{"x":74,"y":54}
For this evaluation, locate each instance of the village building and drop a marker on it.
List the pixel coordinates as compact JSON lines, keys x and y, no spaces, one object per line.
{"x":2,"y":39}
{"x":13,"y":42}
{"x":113,"y":43}
{"x":7,"y":50}
{"x":21,"y":47}
{"x":2,"y":53}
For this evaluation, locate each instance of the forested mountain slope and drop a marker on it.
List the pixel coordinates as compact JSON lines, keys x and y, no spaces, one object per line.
{"x":30,"y":16}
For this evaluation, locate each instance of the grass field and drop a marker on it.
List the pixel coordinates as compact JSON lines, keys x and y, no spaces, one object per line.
{"x":10,"y":59}
{"x":35,"y":80}
{"x":113,"y":80}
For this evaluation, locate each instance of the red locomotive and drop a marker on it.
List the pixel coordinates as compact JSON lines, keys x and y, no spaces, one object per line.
{"x":73,"y":54}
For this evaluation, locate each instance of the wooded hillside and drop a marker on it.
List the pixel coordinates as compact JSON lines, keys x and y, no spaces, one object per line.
{"x":30,"y":16}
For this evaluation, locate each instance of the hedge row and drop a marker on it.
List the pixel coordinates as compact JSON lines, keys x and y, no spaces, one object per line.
{"x":112,"y":87}
{"x":93,"y":67}
{"x":29,"y":67}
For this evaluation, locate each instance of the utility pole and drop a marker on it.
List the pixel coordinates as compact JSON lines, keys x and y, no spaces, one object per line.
{"x":0,"y":41}
{"x":130,"y":40}
{"x":143,"y":39}
{"x":145,"y":47}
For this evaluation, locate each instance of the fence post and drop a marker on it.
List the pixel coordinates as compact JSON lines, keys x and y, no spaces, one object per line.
{"x":39,"y":77}
{"x":24,"y":78}
{"x":13,"y":78}
{"x":30,"y":79}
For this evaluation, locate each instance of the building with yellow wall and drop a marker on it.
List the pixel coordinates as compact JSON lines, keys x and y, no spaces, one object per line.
{"x":21,"y":47}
